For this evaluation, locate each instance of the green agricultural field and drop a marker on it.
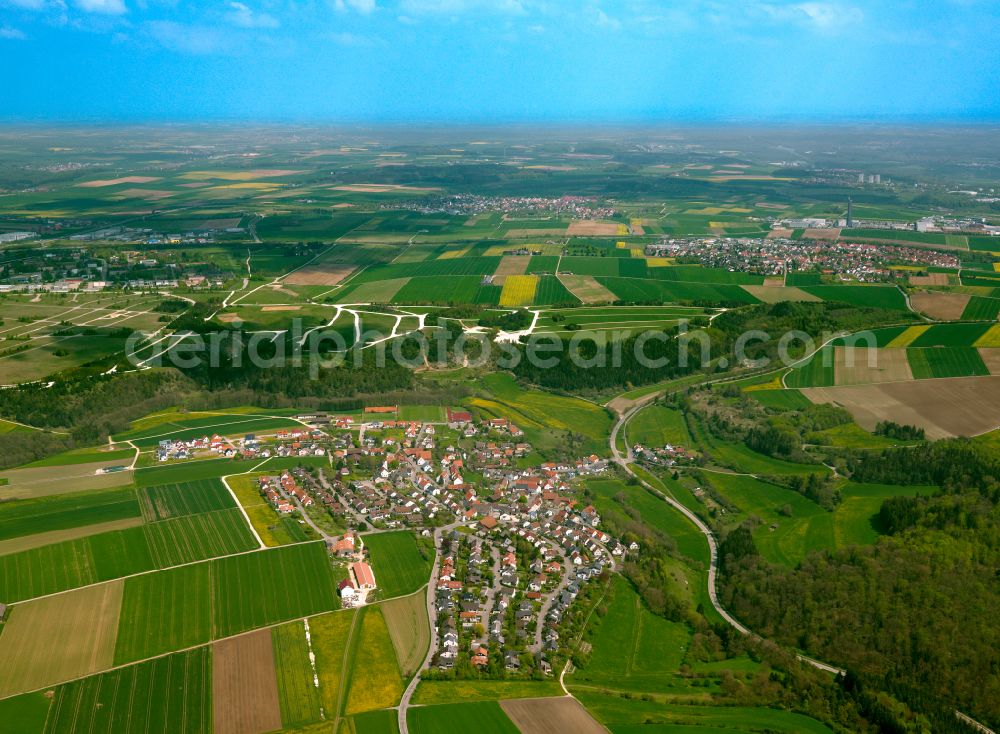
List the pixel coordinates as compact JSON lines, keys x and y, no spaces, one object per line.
{"x":800,"y":279}
{"x":190,"y":471}
{"x":657,"y":425}
{"x":637,"y":290}
{"x":198,"y":427}
{"x":979,"y":309}
{"x":632,"y":716}
{"x":485,"y":717}
{"x":780,"y":399}
{"x":792,"y":525}
{"x":384,"y":721}
{"x":84,"y":456}
{"x":400,"y":567}
{"x":632,"y":648}
{"x":945,"y":362}
{"x":25,"y":714}
{"x":374,"y":681}
{"x":197,"y":537}
{"x":256,"y":589}
{"x":189,"y":498}
{"x":457,"y":691}
{"x":655,"y":513}
{"x":46,"y":570}
{"x":169,"y":694}
{"x":297,"y":694}
{"x":698,"y":274}
{"x":118,"y":553}
{"x":165,"y":611}
{"x":950,"y":335}
{"x":60,"y":512}
{"x":177,"y":608}
{"x":872,"y":296}
{"x":856,"y":517}
{"x":817,"y":371}
{"x":423,"y":413}
{"x":447,"y":290}
{"x":541,"y":414}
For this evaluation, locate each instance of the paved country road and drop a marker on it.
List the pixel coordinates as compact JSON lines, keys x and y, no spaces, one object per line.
{"x":404,"y":703}
{"x":713,"y":544}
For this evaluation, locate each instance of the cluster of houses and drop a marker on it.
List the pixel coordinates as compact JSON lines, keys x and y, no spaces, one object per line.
{"x":779,"y":253}
{"x":666,"y":455}
{"x":294,"y":442}
{"x":283,"y":492}
{"x":505,"y":589}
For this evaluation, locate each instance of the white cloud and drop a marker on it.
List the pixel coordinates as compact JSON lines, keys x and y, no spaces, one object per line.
{"x":455,"y":7}
{"x":823,"y":16}
{"x":103,"y":7}
{"x":11,"y":34}
{"x":362,"y":6}
{"x":197,"y":40}
{"x":352,"y":40}
{"x":242,"y":16}
{"x":26,"y":4}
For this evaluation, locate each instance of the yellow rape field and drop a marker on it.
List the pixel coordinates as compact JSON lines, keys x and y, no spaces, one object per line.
{"x":907,"y":337}
{"x":518,"y":290}
{"x":990,"y":339}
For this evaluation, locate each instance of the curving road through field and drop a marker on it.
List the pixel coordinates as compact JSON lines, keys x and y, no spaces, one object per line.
{"x":713,"y":568}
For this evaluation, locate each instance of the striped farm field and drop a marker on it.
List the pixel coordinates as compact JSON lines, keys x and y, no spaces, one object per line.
{"x":519,"y":290}
{"x":60,"y":512}
{"x":299,"y":698}
{"x":111,"y":555}
{"x":188,"y":498}
{"x":950,"y":362}
{"x":51,"y":640}
{"x":639,"y":290}
{"x":197,"y":537}
{"x":982,"y":309}
{"x":180,"y":607}
{"x":162,"y":696}
{"x":552,"y":291}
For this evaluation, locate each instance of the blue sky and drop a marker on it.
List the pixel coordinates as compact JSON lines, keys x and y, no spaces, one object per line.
{"x":498,"y":60}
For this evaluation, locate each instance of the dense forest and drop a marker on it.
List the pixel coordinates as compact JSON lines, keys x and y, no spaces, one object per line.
{"x":911,"y":615}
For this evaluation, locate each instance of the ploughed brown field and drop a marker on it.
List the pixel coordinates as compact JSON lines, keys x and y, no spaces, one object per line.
{"x":587,"y":289}
{"x":592,"y":227}
{"x":866,"y":366}
{"x":319,"y":275}
{"x":954,"y":406}
{"x":244,"y":686}
{"x":940,"y":306}
{"x":544,"y":715}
